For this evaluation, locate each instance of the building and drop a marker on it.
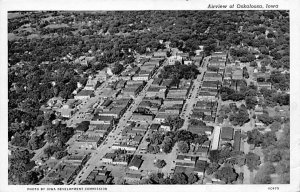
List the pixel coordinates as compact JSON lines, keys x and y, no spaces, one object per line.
{"x":141,"y":77}
{"x":266,"y":85}
{"x":220,"y":55}
{"x":99,"y":129}
{"x":123,"y":147}
{"x":227,"y":133}
{"x":200,"y":167}
{"x":141,"y":117}
{"x":173,"y":59}
{"x":87,"y":142}
{"x":177,"y":94}
{"x":237,"y":140}
{"x":67,"y":113}
{"x":135,"y":163}
{"x":84,"y":94}
{"x":133,"y":178}
{"x":109,"y":158}
{"x":165,"y":127}
{"x":216,"y":138}
{"x":237,"y":75}
{"x":99,"y":119}
{"x":82,"y":127}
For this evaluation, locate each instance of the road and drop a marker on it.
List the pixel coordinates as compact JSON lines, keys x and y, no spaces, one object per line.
{"x":192,"y":97}
{"x":114,"y":135}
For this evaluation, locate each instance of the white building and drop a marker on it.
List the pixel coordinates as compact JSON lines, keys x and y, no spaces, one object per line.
{"x":216,"y":138}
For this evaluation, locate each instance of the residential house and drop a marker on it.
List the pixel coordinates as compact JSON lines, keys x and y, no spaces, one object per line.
{"x":133,"y":178}
{"x":135,"y":163}
{"x":84,"y":94}
{"x":227,"y":133}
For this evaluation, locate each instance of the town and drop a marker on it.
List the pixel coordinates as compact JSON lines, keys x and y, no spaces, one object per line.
{"x":210,"y":114}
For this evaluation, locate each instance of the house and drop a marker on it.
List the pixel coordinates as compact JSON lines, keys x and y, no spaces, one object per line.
{"x":82,"y":127}
{"x":87,"y":141}
{"x":161,"y":54}
{"x":123,"y":147}
{"x":211,"y":76}
{"x":156,"y":91}
{"x":208,"y":119}
{"x":135,"y":163}
{"x":266,"y":85}
{"x":237,"y":140}
{"x":187,"y":62}
{"x":141,"y":117}
{"x":258,"y":110}
{"x":133,"y":178}
{"x":154,"y":126}
{"x":210,"y":84}
{"x":141,"y":77}
{"x":161,"y":117}
{"x":201,"y":129}
{"x":209,"y":96}
{"x":109,"y":158}
{"x":171,"y":102}
{"x":200,"y":167}
{"x":157,"y":81}
{"x":121,"y":159}
{"x":67,"y":113}
{"x":202,"y":152}
{"x":173,"y":59}
{"x":221,"y":55}
{"x":206,"y":144}
{"x":237,"y":75}
{"x":216,"y":138}
{"x":177,"y":94}
{"x":70,"y":104}
{"x":91,"y":84}
{"x":227,"y":133}
{"x":100,"y":119}
{"x":101,"y":76}
{"x":84,"y":94}
{"x":77,"y":158}
{"x":165,"y":127}
{"x":98,"y":129}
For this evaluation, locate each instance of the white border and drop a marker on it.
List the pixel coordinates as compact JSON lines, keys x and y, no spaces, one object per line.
{"x":293,"y":6}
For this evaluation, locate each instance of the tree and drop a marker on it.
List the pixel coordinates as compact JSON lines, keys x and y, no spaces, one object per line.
{"x":20,"y":140}
{"x":213,"y":167}
{"x":275,"y":126}
{"x":255,"y":137}
{"x":179,"y":178}
{"x":263,"y":174}
{"x":262,"y":178}
{"x":227,"y":174}
{"x":251,"y":102}
{"x":192,"y":178}
{"x":35,"y":142}
{"x":239,"y":118}
{"x":19,"y":165}
{"x":60,"y":154}
{"x":175,"y":122}
{"x":269,"y":138}
{"x":253,"y":64}
{"x":200,"y":139}
{"x":252,"y":161}
{"x":183,"y":146}
{"x":265,"y":118}
{"x":160,"y":163}
{"x":117,"y":69}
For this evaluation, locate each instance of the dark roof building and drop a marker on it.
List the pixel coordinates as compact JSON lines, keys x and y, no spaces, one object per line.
{"x":237,"y":140}
{"x":227,"y":133}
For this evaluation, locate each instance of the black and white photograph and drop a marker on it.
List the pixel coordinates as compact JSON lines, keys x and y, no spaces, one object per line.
{"x":148,"y":97}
